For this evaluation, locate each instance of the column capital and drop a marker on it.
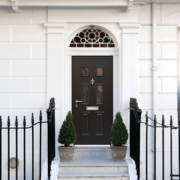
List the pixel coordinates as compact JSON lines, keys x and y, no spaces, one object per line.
{"x":130,"y":28}
{"x":55,"y":27}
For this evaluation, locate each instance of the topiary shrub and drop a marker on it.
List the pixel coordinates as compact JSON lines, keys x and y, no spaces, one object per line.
{"x":119,"y":133}
{"x":67,"y":134}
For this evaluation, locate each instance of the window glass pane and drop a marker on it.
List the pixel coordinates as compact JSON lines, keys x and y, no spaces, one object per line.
{"x":72,"y":45}
{"x":85,"y":94}
{"x":103,"y":45}
{"x":80,"y":45}
{"x":85,"y":71}
{"x":92,"y":38}
{"x":99,"y":71}
{"x":99,"y":94}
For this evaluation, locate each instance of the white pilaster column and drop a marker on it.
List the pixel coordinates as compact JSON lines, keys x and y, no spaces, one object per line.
{"x":55,"y":71}
{"x":129,"y":68}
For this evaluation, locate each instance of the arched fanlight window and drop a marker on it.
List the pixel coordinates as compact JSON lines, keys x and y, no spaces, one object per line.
{"x":92,"y":37}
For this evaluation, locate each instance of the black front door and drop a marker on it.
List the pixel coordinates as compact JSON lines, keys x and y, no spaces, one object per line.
{"x":92,"y":99}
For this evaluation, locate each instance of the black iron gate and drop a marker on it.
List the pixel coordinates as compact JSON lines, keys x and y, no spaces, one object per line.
{"x":135,"y":121}
{"x":50,"y":141}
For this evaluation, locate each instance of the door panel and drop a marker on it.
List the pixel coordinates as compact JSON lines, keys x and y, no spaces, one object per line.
{"x":92,"y":87}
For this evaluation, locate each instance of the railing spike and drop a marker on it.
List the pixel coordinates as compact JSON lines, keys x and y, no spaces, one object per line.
{"x":0,"y":148}
{"x":32,"y":118}
{"x":8,"y":121}
{"x":162,"y":147}
{"x":16,"y":139}
{"x":24,"y":122}
{"x":40,"y":116}
{"x":163,"y":118}
{"x":179,"y":142}
{"x":24,"y":148}
{"x":171,"y":120}
{"x":146,"y":145}
{"x":171,"y":156}
{"x":155,"y":121}
{"x":155,"y":117}
{"x":8,"y":155}
{"x":16,"y":121}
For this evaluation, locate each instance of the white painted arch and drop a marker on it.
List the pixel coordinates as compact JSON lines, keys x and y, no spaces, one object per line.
{"x":70,"y":52}
{"x":101,"y":27}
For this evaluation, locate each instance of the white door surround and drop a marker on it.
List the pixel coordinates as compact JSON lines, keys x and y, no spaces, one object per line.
{"x":59,"y":75}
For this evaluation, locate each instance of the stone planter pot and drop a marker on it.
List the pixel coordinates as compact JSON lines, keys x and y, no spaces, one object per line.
{"x":66,"y":153}
{"x":119,"y":153}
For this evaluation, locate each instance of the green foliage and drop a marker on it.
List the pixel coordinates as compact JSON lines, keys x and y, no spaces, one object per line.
{"x":67,"y":134}
{"x":119,"y":134}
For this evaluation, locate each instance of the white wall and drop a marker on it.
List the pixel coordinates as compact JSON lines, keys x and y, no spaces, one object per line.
{"x":23,"y":56}
{"x":167,"y":56}
{"x":23,"y":79}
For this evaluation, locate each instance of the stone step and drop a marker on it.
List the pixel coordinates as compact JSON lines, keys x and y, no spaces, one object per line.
{"x":93,"y":151}
{"x":93,"y":165}
{"x":98,"y":169}
{"x":94,"y":176}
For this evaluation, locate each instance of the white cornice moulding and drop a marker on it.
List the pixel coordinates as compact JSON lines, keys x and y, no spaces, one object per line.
{"x":130,"y":28}
{"x":55,"y":28}
{"x":68,"y":3}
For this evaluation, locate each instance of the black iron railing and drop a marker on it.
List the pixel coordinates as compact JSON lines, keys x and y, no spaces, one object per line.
{"x":135,"y":130}
{"x":50,"y":140}
{"x":135,"y":121}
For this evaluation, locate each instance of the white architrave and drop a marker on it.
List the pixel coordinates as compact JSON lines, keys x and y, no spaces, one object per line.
{"x":15,"y":6}
{"x":129,"y":68}
{"x":55,"y":70}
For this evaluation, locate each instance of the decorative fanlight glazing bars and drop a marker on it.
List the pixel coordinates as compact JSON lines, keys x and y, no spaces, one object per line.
{"x":90,"y":38}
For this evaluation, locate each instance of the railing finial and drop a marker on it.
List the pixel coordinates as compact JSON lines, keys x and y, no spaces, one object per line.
{"x":24,"y":122}
{"x":163,"y":119}
{"x":32,"y":119}
{"x":171,"y":120}
{"x":40,"y":116}
{"x":16,"y":121}
{"x":8,"y":122}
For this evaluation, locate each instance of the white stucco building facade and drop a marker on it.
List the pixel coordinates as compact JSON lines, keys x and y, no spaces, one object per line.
{"x":36,"y":64}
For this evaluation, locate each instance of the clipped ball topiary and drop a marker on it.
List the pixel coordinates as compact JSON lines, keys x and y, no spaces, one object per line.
{"x":119,"y":133}
{"x":67,"y":134}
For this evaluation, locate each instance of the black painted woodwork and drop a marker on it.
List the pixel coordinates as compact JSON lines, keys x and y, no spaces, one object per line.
{"x":93,"y":126}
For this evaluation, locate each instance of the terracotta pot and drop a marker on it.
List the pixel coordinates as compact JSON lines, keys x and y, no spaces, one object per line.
{"x":119,"y":153}
{"x":66,"y":153}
